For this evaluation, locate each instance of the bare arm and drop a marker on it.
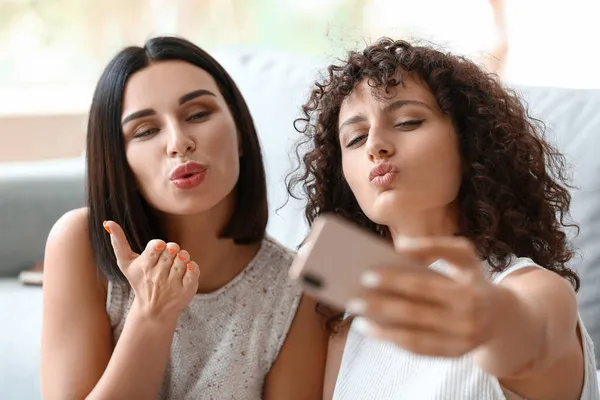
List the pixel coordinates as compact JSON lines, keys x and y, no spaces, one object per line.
{"x":536,"y":349}
{"x":76,"y":336}
{"x":299,"y":369}
{"x":335,"y":352}
{"x":522,"y":331}
{"x":136,"y":368}
{"x":77,"y":356}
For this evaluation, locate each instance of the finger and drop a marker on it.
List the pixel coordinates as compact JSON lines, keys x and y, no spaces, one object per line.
{"x":165,"y":261}
{"x":179,"y":267}
{"x":190,"y":278}
{"x":459,"y":252}
{"x":418,"y":341}
{"x":394,"y":310}
{"x":152,"y":252}
{"x":419,"y":285}
{"x":120,"y":245}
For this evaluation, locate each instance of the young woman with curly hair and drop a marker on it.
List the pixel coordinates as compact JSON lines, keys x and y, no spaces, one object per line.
{"x":429,"y":151}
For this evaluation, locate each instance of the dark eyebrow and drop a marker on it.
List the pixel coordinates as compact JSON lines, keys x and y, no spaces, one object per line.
{"x":196,"y":93}
{"x":182,"y":100}
{"x":389,"y":108}
{"x":138,"y":114}
{"x":401,"y":103}
{"x":352,"y":120}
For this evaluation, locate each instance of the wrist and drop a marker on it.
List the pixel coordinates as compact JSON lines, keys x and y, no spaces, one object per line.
{"x":140,"y":313}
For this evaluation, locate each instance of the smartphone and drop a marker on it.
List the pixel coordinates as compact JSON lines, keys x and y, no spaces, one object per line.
{"x":335,"y":255}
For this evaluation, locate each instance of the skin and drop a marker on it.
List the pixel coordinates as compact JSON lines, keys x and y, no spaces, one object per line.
{"x":523,"y":331}
{"x":78,"y":359}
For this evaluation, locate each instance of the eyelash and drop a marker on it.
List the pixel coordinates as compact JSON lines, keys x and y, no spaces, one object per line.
{"x":414,"y":123}
{"x":193,"y":117}
{"x":200,"y":115}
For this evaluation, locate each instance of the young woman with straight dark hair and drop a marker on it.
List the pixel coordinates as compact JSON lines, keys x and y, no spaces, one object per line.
{"x":166,"y":285}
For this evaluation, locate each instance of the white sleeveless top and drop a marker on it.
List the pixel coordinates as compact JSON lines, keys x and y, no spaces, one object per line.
{"x":373,"y":369}
{"x":226,"y":341}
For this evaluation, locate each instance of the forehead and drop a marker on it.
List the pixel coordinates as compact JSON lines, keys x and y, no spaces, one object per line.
{"x":364,"y":95}
{"x":164,"y":82}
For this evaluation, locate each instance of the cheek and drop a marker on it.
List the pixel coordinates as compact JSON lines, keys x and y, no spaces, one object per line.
{"x":223,"y":141}
{"x":444,"y":165}
{"x":222,"y":149}
{"x":449,"y":154}
{"x":354,"y":173}
{"x":141,"y":165}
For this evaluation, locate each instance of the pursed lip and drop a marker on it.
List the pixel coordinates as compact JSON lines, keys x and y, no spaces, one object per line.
{"x":187,"y":170}
{"x":382,"y":169}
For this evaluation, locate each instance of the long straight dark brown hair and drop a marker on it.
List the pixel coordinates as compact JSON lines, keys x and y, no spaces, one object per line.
{"x":112,"y":193}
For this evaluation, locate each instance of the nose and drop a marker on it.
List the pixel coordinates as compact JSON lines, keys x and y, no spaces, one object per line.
{"x":180,"y":142}
{"x":379,"y":145}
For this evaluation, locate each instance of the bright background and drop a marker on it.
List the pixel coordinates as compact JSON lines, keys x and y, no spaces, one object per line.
{"x":52,"y":51}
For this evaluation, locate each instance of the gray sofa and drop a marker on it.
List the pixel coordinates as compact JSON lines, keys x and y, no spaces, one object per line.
{"x":34,"y":195}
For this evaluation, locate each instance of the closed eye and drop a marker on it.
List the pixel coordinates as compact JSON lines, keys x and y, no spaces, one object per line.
{"x":408,"y":125}
{"x":199,"y":116}
{"x":355,"y":141}
{"x":145,"y":133}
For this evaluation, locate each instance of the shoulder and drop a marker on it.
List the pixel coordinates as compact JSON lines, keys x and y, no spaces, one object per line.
{"x":543,"y":290}
{"x":273,"y":260}
{"x":277,"y":251}
{"x":69,"y":250}
{"x":72,"y":225}
{"x":526,"y":276}
{"x":266,"y":277}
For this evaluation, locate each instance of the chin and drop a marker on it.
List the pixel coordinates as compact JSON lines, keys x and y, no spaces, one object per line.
{"x":386,"y":205}
{"x":188,"y":205}
{"x":182,"y":209}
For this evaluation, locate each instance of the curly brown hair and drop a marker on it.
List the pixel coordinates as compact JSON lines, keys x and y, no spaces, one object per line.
{"x":513,"y":197}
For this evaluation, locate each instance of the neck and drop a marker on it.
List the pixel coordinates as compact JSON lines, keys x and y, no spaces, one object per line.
{"x":426,"y":223}
{"x":219,"y":259}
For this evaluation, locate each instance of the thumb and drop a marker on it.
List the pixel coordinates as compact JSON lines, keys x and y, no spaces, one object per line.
{"x":120,"y":244}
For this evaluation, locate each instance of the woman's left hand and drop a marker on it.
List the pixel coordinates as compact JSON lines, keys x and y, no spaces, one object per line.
{"x":426,"y":312}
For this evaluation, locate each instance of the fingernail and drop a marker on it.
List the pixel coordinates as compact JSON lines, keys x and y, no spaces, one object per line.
{"x":370,"y":279}
{"x":190,"y":266}
{"x":362,"y":326}
{"x":404,"y":242}
{"x":171,"y":251}
{"x":356,"y":306}
{"x":106,"y":227}
{"x":160,"y":246}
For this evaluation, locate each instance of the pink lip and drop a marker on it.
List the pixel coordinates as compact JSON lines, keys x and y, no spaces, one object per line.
{"x":383,"y":174}
{"x":188,"y":175}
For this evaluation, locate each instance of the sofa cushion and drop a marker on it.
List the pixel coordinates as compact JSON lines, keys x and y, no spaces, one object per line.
{"x":21,"y":316}
{"x":33,"y":195}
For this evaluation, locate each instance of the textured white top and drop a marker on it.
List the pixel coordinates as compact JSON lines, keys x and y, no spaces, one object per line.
{"x":226,"y":341}
{"x":373,"y":369}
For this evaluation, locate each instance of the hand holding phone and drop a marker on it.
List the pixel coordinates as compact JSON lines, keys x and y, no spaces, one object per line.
{"x":329,"y":266}
{"x":442,"y":311}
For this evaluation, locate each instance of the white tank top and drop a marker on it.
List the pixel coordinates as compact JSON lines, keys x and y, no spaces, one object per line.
{"x":226,"y":341}
{"x":373,"y":369}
